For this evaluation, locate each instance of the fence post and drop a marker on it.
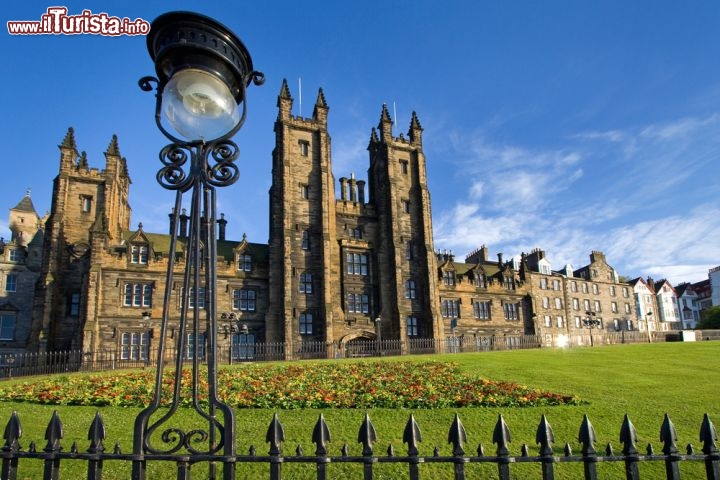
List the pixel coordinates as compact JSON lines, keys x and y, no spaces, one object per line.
{"x":501,"y":436}
{"x":668,"y":436}
{"x":412,"y":436}
{"x":96,"y":435}
{"x":53,"y":435}
{"x":587,"y":439}
{"x":628,"y":437}
{"x":367,"y":437}
{"x":708,"y":435}
{"x":320,"y":437}
{"x":13,"y":432}
{"x":275,"y":436}
{"x":545,"y":437}
{"x":458,"y":437}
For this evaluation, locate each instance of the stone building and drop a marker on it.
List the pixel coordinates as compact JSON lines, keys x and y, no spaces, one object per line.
{"x":20,"y":260}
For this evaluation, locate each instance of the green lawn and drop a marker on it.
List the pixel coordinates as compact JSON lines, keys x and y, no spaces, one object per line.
{"x":644,"y":381}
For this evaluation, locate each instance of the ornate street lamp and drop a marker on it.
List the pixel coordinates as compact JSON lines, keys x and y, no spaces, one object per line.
{"x":591,"y":322}
{"x":203,"y":71}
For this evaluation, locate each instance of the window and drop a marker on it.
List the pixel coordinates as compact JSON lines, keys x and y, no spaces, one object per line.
{"x":305,"y":243}
{"x":134,"y":346}
{"x":135,"y":295}
{"x":508,"y":282}
{"x":304,"y":147}
{"x":201,"y":298}
{"x":584,"y":288}
{"x":304,"y":191}
{"x":358,"y":303}
{"x":412,"y":326}
{"x":576,"y":304}
{"x":404,"y":166}
{"x":449,"y":278}
{"x":479,"y":280}
{"x":405,"y":206}
{"x":244,"y":263}
{"x":573,"y":286}
{"x":612,"y":290}
{"x":616,"y":324}
{"x":410,"y":291}
{"x":74,"y":305}
{"x":356,"y":233}
{"x":306,"y":283}
{"x":586,"y":305}
{"x":481,"y":310}
{"x":356,"y":263}
{"x":547,"y":321}
{"x":139,"y":254}
{"x":86,"y":203}
{"x":556,"y":284}
{"x":613,"y":307}
{"x":625,"y":292}
{"x":558,"y":304}
{"x":543,"y":283}
{"x":243,"y":346}
{"x":450,"y":308}
{"x":560,"y":321}
{"x":597,"y":306}
{"x":408,"y":251}
{"x":195,"y":346}
{"x":11,"y":282}
{"x":7,"y":326}
{"x":546,"y":302}
{"x":306,"y":324}
{"x":14,"y":255}
{"x":595,"y":289}
{"x":511,"y":311}
{"x":627,"y":308}
{"x":578,"y":323}
{"x":244,"y":299}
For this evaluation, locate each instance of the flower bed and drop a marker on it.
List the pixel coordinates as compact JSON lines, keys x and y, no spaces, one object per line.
{"x":311,"y":385}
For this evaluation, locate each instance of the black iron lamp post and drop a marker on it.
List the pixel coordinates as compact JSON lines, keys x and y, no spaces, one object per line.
{"x":591,"y":322}
{"x":233,"y":326}
{"x":648,"y":319}
{"x":378,"y":321}
{"x":146,"y":324}
{"x":203,"y":71}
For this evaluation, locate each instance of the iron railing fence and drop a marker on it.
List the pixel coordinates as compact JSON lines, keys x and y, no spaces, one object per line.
{"x":414,"y":463}
{"x":46,"y":363}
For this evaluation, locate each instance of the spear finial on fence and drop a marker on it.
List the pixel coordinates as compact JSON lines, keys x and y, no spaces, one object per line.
{"x":412,"y":436}
{"x":275,"y":435}
{"x":457,"y":437}
{"x":708,"y":435}
{"x":54,"y":433}
{"x":321,"y":436}
{"x":628,"y":437}
{"x":668,"y":435}
{"x":545,"y":437}
{"x":13,"y":432}
{"x":96,"y":434}
{"x":367,"y":436}
{"x":501,"y":436}
{"x":587,"y":437}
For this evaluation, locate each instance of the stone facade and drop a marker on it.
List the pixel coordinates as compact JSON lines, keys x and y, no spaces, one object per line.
{"x":346,"y":260}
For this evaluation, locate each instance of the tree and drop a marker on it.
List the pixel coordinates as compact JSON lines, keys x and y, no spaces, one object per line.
{"x":710,"y":318}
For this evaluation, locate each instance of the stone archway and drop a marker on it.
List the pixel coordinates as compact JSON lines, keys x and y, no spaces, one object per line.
{"x":359,"y":344}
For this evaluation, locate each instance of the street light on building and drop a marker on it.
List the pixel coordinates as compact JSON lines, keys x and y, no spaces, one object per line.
{"x":648,"y":318}
{"x":235,"y":327}
{"x":379,"y":334}
{"x":591,"y":322}
{"x":203,"y":71}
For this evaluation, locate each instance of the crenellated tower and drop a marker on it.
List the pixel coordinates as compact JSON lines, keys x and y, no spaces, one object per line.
{"x":302,"y":245}
{"x":404,"y":242}
{"x":89,"y":209}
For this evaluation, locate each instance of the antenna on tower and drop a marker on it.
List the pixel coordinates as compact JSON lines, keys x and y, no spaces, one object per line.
{"x":300,"y":94}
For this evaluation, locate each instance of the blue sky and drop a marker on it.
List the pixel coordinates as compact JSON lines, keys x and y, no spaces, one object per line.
{"x":569,"y":126}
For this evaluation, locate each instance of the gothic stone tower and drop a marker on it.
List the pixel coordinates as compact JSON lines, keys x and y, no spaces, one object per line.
{"x":405,"y":252}
{"x":302,"y":246}
{"x":336,"y":265}
{"x":89,"y":209}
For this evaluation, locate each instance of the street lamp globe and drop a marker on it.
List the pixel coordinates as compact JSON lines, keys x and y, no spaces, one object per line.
{"x":203,"y":70}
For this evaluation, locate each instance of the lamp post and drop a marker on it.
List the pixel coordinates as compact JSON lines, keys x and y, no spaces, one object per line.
{"x":379,"y":335}
{"x":648,"y":317}
{"x":203,"y":71}
{"x":233,"y":326}
{"x":591,"y":322}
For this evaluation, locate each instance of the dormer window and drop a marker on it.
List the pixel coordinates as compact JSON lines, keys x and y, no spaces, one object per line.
{"x":449,"y":278}
{"x":479,"y":280}
{"x":508,"y":282}
{"x":244,"y":263}
{"x":14,"y":255}
{"x":139,"y":254}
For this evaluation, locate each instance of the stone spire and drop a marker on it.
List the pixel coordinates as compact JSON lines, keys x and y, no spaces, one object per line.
{"x":415,"y":132}
{"x":321,"y":108}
